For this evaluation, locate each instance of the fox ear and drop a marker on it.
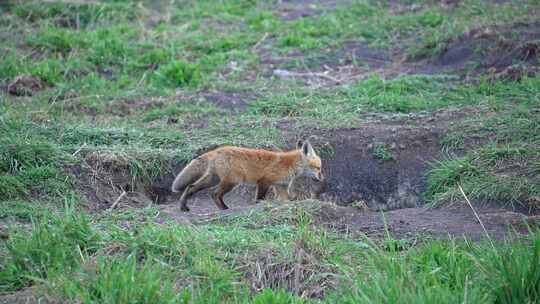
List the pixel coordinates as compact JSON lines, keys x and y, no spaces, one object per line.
{"x":307,"y":149}
{"x":299,"y":144}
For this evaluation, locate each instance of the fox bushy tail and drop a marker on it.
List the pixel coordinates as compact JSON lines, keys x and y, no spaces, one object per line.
{"x":191,"y":173}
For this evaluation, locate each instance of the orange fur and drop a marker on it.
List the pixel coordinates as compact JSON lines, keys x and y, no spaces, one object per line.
{"x":229,"y":166}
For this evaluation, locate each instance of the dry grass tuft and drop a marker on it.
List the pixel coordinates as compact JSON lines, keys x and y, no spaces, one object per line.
{"x":301,"y":273}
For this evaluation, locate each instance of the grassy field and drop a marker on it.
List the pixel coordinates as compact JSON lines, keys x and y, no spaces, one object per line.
{"x":142,"y":87}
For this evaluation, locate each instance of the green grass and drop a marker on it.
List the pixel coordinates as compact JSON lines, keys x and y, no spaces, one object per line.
{"x":501,"y":168}
{"x":106,"y":262}
{"x":123,"y":281}
{"x":380,"y":151}
{"x":502,"y":175}
{"x":445,"y":272}
{"x":55,"y":245}
{"x":126,"y":89}
{"x":20,"y":210}
{"x":31,"y":166}
{"x":179,"y":73}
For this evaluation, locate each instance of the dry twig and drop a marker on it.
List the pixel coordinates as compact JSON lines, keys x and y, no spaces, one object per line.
{"x":118,"y":200}
{"x":476,"y":214}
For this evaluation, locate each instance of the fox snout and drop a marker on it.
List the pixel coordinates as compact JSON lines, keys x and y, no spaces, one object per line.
{"x":318,"y":177}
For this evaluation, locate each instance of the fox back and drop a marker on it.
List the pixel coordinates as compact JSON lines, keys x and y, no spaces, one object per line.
{"x":242,"y":165}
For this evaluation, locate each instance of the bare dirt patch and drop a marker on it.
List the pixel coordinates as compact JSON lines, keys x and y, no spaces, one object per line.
{"x":107,"y":180}
{"x":442,"y":223}
{"x":231,"y":101}
{"x":330,"y":65}
{"x":457,"y":221}
{"x":295,"y":9}
{"x":509,"y":52}
{"x":25,"y":85}
{"x":28,"y":295}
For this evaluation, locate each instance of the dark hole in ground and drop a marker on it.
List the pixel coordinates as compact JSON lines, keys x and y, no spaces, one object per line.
{"x":380,"y":171}
{"x":382,"y":165}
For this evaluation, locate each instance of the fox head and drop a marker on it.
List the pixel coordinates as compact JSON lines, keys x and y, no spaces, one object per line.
{"x":311,"y":162}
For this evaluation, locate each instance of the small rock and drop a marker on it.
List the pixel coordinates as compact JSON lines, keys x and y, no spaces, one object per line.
{"x":282,"y":73}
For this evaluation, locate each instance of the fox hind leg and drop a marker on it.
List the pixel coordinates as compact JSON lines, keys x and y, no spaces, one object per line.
{"x":206,"y":181}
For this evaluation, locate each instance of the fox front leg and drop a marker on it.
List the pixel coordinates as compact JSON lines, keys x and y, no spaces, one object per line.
{"x":281,"y":192}
{"x":290,"y":192}
{"x":262,"y":189}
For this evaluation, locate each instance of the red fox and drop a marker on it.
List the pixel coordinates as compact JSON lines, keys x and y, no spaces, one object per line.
{"x":229,"y":166}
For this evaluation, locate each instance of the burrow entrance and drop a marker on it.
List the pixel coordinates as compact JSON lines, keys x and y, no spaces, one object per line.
{"x":380,"y":165}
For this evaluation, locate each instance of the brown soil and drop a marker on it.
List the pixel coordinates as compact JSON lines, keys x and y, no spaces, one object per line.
{"x":454,"y":222}
{"x":103,"y":178}
{"x":25,"y":85}
{"x":508,"y":52}
{"x":355,"y":173}
{"x":295,"y":9}
{"x":28,"y":295}
{"x":231,"y":101}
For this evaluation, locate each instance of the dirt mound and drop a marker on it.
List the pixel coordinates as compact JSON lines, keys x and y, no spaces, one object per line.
{"x":454,"y":222}
{"x":502,"y":51}
{"x":25,"y":85}
{"x":108,"y":179}
{"x":441,"y":223}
